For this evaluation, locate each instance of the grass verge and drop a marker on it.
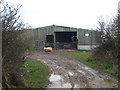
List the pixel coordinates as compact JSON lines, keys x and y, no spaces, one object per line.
{"x":95,"y":64}
{"x":35,"y":73}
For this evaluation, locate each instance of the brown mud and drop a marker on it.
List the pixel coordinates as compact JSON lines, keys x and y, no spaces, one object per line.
{"x":66,"y":72}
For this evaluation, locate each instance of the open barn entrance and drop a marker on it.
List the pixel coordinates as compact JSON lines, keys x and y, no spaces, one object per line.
{"x":49,"y":41}
{"x":66,"y":40}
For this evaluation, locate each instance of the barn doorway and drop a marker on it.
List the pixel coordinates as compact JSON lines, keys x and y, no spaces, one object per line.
{"x":49,"y":41}
{"x":66,"y":40}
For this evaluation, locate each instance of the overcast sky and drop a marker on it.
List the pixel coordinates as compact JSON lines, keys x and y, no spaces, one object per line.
{"x":72,"y":13}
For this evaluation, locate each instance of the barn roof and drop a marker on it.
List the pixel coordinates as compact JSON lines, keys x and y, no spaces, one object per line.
{"x":62,"y":27}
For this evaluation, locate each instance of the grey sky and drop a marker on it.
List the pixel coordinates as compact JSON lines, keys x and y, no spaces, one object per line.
{"x":73,"y":13}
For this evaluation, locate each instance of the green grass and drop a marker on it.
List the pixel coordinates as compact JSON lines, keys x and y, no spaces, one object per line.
{"x":95,"y":64}
{"x":36,"y":73}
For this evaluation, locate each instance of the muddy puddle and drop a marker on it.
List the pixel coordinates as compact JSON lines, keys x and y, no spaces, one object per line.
{"x":57,"y":81}
{"x":80,"y":71}
{"x":71,"y":73}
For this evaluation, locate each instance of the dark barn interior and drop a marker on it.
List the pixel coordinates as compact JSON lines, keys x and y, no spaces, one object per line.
{"x":50,"y":38}
{"x":65,"y":36}
{"x":49,"y":41}
{"x":66,"y":40}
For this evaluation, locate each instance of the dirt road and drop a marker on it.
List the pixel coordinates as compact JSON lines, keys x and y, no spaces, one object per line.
{"x":67,"y":72}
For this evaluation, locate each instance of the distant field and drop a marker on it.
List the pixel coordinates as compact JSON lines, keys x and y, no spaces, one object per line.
{"x":95,"y":64}
{"x":36,"y":73}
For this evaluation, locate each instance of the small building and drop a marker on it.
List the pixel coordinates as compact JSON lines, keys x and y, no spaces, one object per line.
{"x":62,"y":37}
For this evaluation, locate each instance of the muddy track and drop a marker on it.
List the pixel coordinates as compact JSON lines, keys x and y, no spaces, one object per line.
{"x":67,"y":72}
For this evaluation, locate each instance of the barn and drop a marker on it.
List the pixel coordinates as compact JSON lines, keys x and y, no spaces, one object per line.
{"x":62,"y":37}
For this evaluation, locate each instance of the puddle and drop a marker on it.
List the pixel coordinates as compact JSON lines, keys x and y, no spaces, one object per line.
{"x":58,"y":82}
{"x":57,"y":67}
{"x":71,"y":73}
{"x":91,"y":71}
{"x":66,"y":85}
{"x":76,"y":86}
{"x":55,"y":81}
{"x":86,"y":68}
{"x":54,"y":78}
{"x":81,"y":72}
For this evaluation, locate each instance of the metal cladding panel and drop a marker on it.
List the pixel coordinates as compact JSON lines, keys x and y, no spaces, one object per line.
{"x":86,"y":37}
{"x":42,"y":32}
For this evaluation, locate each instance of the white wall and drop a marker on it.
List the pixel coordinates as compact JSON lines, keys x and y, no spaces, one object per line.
{"x":86,"y":47}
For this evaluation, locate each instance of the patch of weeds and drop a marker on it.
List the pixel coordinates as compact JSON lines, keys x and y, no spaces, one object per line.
{"x":35,"y":73}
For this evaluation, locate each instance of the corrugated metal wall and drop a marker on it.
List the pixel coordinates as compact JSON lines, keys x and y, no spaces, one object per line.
{"x":38,"y":35}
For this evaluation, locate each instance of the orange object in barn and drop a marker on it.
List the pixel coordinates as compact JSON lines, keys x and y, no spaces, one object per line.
{"x":83,"y":51}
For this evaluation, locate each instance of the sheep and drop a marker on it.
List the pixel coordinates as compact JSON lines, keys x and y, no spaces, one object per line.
{"x":47,"y":49}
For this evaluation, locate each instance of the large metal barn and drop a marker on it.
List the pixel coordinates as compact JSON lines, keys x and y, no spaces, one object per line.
{"x":62,"y":37}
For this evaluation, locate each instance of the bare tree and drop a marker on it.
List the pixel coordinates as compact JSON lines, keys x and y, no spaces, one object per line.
{"x":10,"y":17}
{"x":13,"y":46}
{"x":108,"y":41}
